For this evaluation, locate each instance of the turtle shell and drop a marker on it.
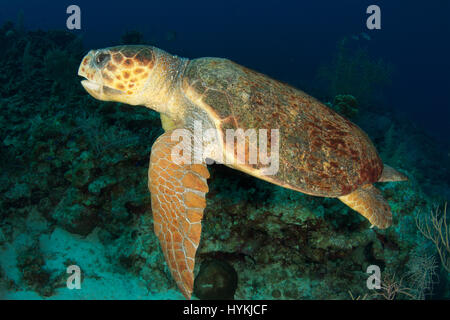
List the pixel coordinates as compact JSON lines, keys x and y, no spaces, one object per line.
{"x":320,"y":152}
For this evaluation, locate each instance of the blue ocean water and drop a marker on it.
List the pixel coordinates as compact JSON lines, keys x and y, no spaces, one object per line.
{"x":74,"y":178}
{"x":277,"y":38}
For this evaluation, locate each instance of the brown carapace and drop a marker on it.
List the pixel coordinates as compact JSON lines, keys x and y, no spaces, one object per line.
{"x":320,"y":152}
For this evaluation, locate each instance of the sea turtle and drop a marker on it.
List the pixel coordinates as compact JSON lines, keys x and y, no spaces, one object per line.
{"x":320,"y":152}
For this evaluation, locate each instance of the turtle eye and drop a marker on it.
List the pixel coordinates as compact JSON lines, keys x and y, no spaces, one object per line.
{"x":102,"y":58}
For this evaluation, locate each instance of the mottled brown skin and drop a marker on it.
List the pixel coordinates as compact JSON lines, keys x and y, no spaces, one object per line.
{"x":321,"y":153}
{"x":121,"y":70}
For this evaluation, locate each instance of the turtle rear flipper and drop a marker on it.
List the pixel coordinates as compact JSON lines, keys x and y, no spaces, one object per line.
{"x":178,"y":200}
{"x":369,"y":202}
{"x":389,"y":174}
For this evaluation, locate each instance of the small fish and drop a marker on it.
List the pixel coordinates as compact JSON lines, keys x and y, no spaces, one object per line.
{"x":361,"y":36}
{"x":365,"y":36}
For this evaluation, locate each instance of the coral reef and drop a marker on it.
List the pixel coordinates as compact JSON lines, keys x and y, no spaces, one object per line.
{"x":436,"y":228}
{"x":346,"y":105}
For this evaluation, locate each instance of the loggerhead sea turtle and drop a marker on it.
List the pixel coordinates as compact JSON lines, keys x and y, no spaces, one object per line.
{"x":320,"y":152}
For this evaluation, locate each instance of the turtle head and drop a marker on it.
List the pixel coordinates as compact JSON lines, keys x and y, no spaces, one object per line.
{"x":120,"y":74}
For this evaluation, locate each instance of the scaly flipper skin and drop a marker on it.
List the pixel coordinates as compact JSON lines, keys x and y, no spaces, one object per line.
{"x":178,"y":199}
{"x":369,"y":202}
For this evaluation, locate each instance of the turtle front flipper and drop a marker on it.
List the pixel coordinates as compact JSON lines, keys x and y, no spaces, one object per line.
{"x":178,"y":199}
{"x":368,"y":201}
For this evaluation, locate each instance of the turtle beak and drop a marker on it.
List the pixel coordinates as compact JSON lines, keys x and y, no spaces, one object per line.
{"x":87,"y":71}
{"x":93,"y":81}
{"x":86,"y":66}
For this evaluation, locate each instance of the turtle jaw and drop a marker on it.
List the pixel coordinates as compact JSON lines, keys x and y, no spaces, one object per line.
{"x":100,"y":91}
{"x":93,"y":84}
